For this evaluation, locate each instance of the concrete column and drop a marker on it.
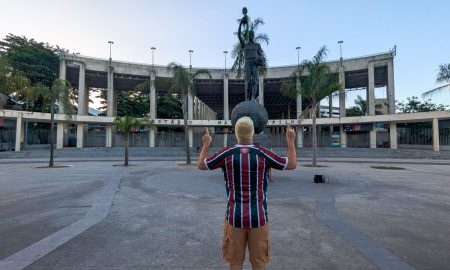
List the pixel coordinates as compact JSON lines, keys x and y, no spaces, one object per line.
{"x":226,"y":107}
{"x":343,"y":137}
{"x":371,"y":90}
{"x":82,"y":90}
{"x":62,"y":69}
{"x":435,"y":134}
{"x":330,"y":115}
{"x":153,"y":109}
{"x":373,"y":136}
{"x":300,"y":136}
{"x":108,"y":137}
{"x":390,"y":87}
{"x":393,"y":134}
{"x":330,"y":106}
{"x":86,"y":101}
{"x":201,"y":115}
{"x":195,"y":108}
{"x":59,"y":135}
{"x":342,"y":111}
{"x":261,"y":90}
{"x":111,"y":106}
{"x":80,"y":135}
{"x":190,"y":117}
{"x":204,"y":111}
{"x":19,"y":126}
{"x":62,"y":76}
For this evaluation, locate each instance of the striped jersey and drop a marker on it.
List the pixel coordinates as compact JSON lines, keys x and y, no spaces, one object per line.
{"x":245,"y":170}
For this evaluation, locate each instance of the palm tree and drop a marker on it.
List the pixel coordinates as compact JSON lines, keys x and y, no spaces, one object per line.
{"x":128,"y":124}
{"x":442,"y":77}
{"x":183,"y":83}
{"x":317,"y":83}
{"x":58,"y":92}
{"x":238,"y":50}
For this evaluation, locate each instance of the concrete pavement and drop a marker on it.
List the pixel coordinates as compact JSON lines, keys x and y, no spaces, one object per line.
{"x":164,"y":215}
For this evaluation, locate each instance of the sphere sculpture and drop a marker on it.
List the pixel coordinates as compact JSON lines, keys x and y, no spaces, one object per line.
{"x":254,"y":110}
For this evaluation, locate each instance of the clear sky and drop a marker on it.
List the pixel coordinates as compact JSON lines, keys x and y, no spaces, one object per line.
{"x":420,"y":29}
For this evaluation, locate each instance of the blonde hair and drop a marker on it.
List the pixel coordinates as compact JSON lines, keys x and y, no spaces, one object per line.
{"x":244,"y":130}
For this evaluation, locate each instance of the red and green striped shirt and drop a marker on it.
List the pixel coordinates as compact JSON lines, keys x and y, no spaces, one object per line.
{"x":245,"y":170}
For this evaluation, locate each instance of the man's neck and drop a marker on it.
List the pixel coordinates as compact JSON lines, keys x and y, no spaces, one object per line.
{"x":245,"y":143}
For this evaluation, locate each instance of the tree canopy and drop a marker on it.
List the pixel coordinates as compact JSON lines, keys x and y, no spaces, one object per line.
{"x":360,"y":108}
{"x":37,"y":61}
{"x":413,"y":105}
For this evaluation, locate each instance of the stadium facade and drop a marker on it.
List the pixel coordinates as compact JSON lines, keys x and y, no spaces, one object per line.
{"x":215,"y":98}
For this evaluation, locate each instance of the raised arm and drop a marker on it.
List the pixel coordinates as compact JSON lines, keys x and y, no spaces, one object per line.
{"x":206,"y":139}
{"x":241,"y":39}
{"x":291,"y":152}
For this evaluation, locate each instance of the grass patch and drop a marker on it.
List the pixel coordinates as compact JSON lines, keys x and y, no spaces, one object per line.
{"x":310,"y":165}
{"x":387,"y":168}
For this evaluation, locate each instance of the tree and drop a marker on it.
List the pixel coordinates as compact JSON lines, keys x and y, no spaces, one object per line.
{"x":360,"y":108}
{"x":35,"y":60}
{"x":11,"y":83}
{"x":414,"y":105}
{"x":183,"y":84}
{"x":316,"y":83}
{"x":128,"y":124}
{"x":169,"y":106}
{"x":238,"y":50}
{"x":58,"y":92}
{"x":28,"y":64}
{"x":133,"y":104}
{"x":443,"y":76}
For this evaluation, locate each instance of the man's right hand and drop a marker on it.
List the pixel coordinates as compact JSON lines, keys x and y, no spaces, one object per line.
{"x":206,"y":139}
{"x":290,"y":134}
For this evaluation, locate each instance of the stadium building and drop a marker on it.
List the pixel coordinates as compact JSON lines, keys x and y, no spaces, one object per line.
{"x":214,"y":100}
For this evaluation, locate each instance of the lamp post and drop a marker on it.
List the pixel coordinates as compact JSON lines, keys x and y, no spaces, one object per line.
{"x":190,"y":59}
{"x":153,"y":57}
{"x":110,"y":45}
{"x":298,"y":56}
{"x":225,"y":53}
{"x":340,"y":49}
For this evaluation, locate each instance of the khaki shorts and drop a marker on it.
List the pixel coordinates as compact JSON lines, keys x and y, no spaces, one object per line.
{"x":235,"y":241}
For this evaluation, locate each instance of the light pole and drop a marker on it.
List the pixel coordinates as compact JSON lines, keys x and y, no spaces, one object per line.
{"x":153,"y":57}
{"x":190,"y":59}
{"x":110,"y":44}
{"x":340,"y":49}
{"x":225,"y":53}
{"x":298,"y":56}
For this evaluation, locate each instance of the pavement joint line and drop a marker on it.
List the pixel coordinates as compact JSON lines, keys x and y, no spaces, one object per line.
{"x":94,"y":215}
{"x":374,"y":252}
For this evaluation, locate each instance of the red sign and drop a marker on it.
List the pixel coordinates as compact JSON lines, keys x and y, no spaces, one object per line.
{"x":2,"y":122}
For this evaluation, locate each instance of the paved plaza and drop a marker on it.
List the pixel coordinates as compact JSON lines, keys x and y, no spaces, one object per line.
{"x":160,"y":214}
